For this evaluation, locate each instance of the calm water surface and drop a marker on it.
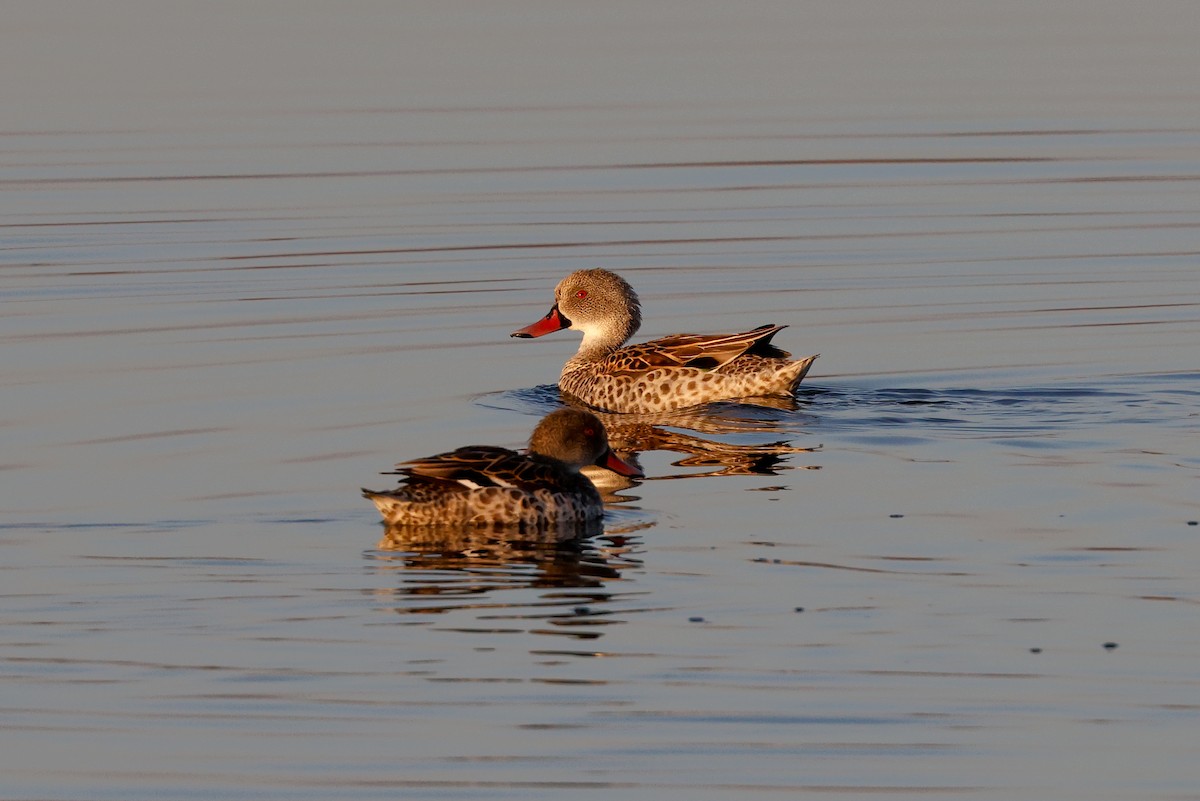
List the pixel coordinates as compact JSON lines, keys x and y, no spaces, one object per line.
{"x":251,"y":257}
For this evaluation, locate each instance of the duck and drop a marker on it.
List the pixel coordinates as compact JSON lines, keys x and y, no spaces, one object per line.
{"x":485,"y":485}
{"x":661,"y":375}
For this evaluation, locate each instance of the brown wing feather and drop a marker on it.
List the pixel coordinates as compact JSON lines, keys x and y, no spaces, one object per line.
{"x":474,"y":463}
{"x":484,"y":465}
{"x":702,"y":351}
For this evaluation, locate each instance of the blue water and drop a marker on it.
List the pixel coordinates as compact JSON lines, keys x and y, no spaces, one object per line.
{"x":251,"y":258}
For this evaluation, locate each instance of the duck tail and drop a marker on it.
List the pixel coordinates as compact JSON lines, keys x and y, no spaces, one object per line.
{"x":794,"y":372}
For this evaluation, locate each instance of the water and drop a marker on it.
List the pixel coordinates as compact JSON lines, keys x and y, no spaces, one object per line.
{"x":253,"y":256}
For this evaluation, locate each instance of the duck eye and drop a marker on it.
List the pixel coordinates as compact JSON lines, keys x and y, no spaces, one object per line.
{"x":581,"y":294}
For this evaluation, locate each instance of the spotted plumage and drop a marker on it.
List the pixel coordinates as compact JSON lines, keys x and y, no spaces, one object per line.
{"x":665,"y":374}
{"x":488,"y":485}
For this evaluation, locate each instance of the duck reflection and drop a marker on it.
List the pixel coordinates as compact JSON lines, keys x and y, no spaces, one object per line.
{"x":719,"y":436}
{"x":443,"y":570}
{"x":694,"y":433}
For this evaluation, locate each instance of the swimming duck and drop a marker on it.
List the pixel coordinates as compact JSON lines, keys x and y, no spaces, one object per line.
{"x":487,"y":485}
{"x":664,"y":374}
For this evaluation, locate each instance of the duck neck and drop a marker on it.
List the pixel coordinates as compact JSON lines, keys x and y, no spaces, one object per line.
{"x":600,"y":341}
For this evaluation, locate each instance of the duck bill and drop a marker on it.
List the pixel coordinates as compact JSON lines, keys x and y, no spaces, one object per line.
{"x":617,"y":465}
{"x":553,"y":321}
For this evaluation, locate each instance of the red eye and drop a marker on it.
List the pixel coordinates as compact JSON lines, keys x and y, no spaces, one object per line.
{"x":581,"y":294}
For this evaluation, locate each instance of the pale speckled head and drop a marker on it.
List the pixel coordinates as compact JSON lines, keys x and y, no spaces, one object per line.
{"x":576,"y":438}
{"x":601,"y":305}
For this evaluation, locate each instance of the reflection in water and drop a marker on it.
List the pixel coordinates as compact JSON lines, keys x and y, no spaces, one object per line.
{"x":680,"y":431}
{"x":441,"y":570}
{"x":722,"y":458}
